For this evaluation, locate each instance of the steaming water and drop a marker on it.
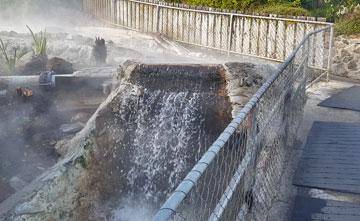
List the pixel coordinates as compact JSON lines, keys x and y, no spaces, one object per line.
{"x":63,"y":18}
{"x":168,"y":137}
{"x":168,"y":128}
{"x":163,"y":138}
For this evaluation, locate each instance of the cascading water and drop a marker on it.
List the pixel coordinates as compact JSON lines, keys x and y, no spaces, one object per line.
{"x":167,"y":125}
{"x":168,"y":138}
{"x":159,"y":135}
{"x":139,"y":144}
{"x":151,"y":134}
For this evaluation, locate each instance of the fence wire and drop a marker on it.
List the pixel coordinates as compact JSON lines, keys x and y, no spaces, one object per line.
{"x":238,"y":177}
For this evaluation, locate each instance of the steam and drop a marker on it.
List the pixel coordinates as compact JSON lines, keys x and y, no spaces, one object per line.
{"x":71,"y":36}
{"x":133,"y":210}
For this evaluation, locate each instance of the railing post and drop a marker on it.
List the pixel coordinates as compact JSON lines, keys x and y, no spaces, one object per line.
{"x":115,"y":11}
{"x":157,"y":19}
{"x":230,"y":33}
{"x":305,"y":54}
{"x":331,"y":42}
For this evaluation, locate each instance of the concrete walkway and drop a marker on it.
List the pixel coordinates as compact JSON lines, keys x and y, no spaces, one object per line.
{"x":317,"y":202}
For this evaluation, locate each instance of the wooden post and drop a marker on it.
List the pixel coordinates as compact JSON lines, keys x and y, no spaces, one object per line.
{"x":157,"y":18}
{"x":230,"y":33}
{"x":331,"y":42}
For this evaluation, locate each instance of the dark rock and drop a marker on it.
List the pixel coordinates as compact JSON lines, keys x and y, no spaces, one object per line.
{"x":247,"y":73}
{"x":36,"y":65}
{"x":59,"y":66}
{"x":352,"y":65}
{"x":99,"y":51}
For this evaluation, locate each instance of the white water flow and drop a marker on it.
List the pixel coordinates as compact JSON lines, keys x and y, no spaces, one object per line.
{"x":168,"y":137}
{"x":167,"y":125}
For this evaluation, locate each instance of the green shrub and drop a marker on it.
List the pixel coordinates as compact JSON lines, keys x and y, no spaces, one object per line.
{"x":10,"y":60}
{"x":293,"y":6}
{"x":244,"y":5}
{"x":39,"y":42}
{"x":348,"y":25}
{"x":283,"y":9}
{"x":326,"y":12}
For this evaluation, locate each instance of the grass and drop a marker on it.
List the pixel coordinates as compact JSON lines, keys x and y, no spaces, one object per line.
{"x":10,"y":61}
{"x":39,"y":42}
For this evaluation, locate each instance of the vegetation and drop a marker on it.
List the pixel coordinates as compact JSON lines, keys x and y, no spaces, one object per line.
{"x":10,"y":60}
{"x":348,"y":25}
{"x":345,"y":13}
{"x":283,"y":9}
{"x":292,"y":7}
{"x":39,"y":43}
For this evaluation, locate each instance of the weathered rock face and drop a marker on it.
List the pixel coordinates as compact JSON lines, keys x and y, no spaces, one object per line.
{"x":36,"y":65}
{"x":346,"y":61}
{"x":59,"y":66}
{"x":140,"y":142}
{"x":243,"y":80}
{"x":153,"y":132}
{"x":39,"y":64}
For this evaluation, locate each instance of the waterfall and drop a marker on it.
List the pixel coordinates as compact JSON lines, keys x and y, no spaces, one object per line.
{"x":167,"y":138}
{"x":150,"y":136}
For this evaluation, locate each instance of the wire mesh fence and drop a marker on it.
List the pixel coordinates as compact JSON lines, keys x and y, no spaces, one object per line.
{"x":272,"y":38}
{"x":238,"y":177}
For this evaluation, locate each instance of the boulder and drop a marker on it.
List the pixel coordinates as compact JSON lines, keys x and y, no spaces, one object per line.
{"x":59,"y":66}
{"x":36,"y":65}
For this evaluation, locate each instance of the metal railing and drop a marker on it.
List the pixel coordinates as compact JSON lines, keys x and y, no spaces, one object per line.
{"x":271,"y":38}
{"x":238,"y":177}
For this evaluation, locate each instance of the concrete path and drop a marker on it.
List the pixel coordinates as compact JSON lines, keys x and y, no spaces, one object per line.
{"x":319,"y":202}
{"x":331,"y":156}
